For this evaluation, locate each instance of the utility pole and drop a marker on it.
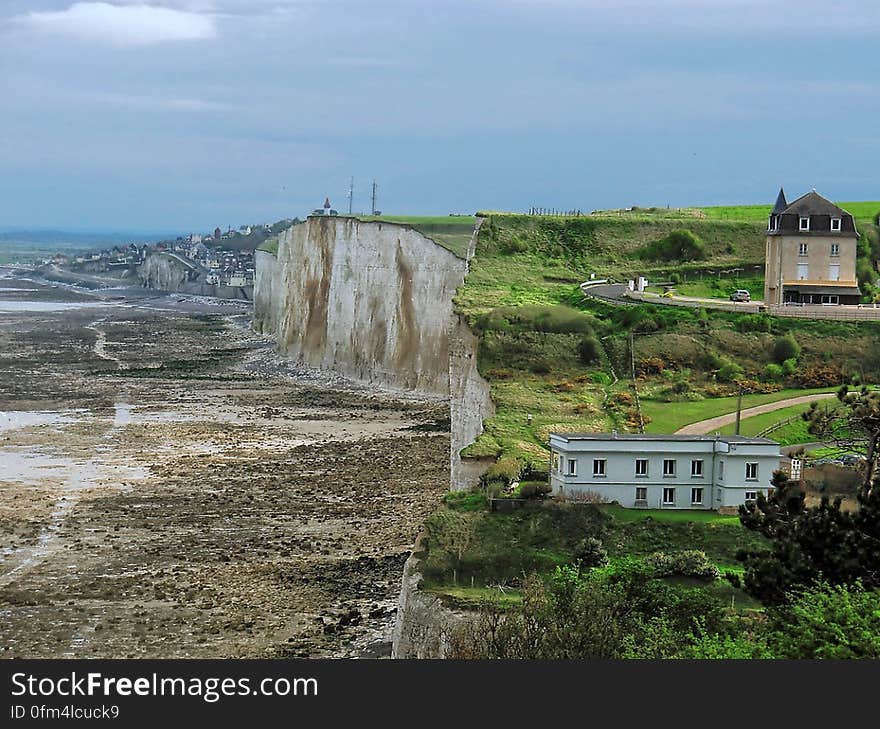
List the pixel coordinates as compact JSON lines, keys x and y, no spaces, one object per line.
{"x":739,"y":407}
{"x":350,"y":194}
{"x":373,"y":197}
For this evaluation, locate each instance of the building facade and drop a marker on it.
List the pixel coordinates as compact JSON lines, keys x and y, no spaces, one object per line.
{"x":811,"y":253}
{"x":662,"y":471}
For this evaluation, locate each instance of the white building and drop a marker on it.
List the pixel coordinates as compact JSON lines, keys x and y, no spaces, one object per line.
{"x":662,"y":471}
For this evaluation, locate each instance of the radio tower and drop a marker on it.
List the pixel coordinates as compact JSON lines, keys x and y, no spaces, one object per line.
{"x":374,"y":197}
{"x":350,"y":194}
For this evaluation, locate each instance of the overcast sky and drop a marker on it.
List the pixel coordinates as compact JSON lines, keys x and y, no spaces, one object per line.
{"x":186,"y":114}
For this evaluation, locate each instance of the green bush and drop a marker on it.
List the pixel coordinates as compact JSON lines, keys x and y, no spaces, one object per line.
{"x":590,"y":553}
{"x":506,"y":469}
{"x":786,"y":348}
{"x":789,"y":367}
{"x":754,"y":323}
{"x":773,"y":372}
{"x":688,"y":563}
{"x":679,"y":245}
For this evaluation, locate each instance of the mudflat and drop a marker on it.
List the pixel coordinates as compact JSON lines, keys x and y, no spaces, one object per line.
{"x":170,"y":488}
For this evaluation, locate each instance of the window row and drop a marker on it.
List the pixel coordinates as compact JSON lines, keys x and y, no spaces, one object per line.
{"x":804,"y":224}
{"x":803,"y":272}
{"x":804,"y":249}
{"x":669,"y":496}
{"x":600,"y":467}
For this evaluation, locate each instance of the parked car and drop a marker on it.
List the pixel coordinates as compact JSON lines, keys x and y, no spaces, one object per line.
{"x":740,"y":295}
{"x":668,"y":292}
{"x":852,"y":459}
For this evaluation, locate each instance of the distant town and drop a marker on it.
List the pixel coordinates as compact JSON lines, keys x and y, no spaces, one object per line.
{"x":216,"y":258}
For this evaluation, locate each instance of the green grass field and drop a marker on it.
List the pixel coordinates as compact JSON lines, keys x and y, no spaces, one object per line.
{"x":669,"y":417}
{"x":792,"y":433}
{"x":863,"y":212}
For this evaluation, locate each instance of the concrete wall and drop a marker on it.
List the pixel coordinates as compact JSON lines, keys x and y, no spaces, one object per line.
{"x":370,"y":300}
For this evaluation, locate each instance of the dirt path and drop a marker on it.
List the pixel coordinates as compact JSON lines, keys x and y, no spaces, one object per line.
{"x":712,"y":424}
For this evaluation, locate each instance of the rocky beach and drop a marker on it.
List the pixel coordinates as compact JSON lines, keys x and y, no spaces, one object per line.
{"x":170,"y":487}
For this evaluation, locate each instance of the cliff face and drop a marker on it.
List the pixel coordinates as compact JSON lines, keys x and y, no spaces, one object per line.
{"x":162,"y":272}
{"x":370,"y":300}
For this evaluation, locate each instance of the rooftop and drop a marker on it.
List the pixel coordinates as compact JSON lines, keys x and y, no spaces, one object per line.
{"x":675,"y":437}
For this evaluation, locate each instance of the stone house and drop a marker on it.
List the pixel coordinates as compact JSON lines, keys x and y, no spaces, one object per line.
{"x":811,"y":253}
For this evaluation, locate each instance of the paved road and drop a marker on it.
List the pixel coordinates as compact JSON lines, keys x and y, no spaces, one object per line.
{"x":713,"y":424}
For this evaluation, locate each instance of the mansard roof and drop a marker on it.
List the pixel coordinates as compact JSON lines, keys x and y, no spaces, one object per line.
{"x":818,"y":209}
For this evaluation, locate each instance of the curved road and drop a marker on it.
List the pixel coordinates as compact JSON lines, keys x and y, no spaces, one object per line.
{"x":713,"y":424}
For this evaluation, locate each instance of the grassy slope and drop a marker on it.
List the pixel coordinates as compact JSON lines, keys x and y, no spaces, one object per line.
{"x":526,"y":260}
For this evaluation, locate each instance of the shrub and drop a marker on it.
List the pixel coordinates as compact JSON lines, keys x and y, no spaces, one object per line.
{"x":506,"y":469}
{"x":533,"y":489}
{"x":590,"y":553}
{"x":600,"y":378}
{"x":789,"y":367}
{"x":773,"y":372}
{"x":729,"y":371}
{"x":688,"y":563}
{"x":555,"y":319}
{"x":820,"y":376}
{"x":786,"y":348}
{"x":679,"y":245}
{"x":651,"y":365}
{"x":589,"y":350}
{"x":754,"y":323}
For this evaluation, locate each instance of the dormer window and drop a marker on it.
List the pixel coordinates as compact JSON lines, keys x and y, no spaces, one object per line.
{"x":835,"y":225}
{"x":774,"y":223}
{"x":804,"y":224}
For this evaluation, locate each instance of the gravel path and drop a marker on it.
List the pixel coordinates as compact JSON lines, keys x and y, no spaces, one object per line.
{"x":713,"y":424}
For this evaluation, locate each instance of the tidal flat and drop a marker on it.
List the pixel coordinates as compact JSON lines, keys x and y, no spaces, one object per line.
{"x":170,"y":488}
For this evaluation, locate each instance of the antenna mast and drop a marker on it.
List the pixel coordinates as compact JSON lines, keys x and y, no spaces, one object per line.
{"x":350,"y":194}
{"x":374,"y":197}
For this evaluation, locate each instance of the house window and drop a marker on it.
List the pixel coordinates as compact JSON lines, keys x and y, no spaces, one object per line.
{"x":556,"y":462}
{"x":751,"y":495}
{"x":696,"y":469}
{"x":803,"y":271}
{"x":572,"y":467}
{"x":751,"y":472}
{"x":774,"y":223}
{"x":669,"y":467}
{"x":721,"y":469}
{"x":599,"y":467}
{"x":697,"y":496}
{"x":835,"y":249}
{"x":830,"y":299}
{"x":804,"y":224}
{"x":641,"y":493}
{"x":641,"y":466}
{"x":835,"y":224}
{"x":668,"y":496}
{"x":803,"y":249}
{"x":834,"y":272}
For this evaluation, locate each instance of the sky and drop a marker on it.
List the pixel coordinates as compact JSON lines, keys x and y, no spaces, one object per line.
{"x":184,"y":115}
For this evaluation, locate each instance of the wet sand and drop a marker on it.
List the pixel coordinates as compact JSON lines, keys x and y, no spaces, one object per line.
{"x":169,"y":488}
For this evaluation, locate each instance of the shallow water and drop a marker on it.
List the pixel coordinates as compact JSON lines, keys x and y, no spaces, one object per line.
{"x":14,"y":419}
{"x":41,"y":306}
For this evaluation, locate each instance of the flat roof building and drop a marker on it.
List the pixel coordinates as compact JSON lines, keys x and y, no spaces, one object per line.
{"x":662,"y":471}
